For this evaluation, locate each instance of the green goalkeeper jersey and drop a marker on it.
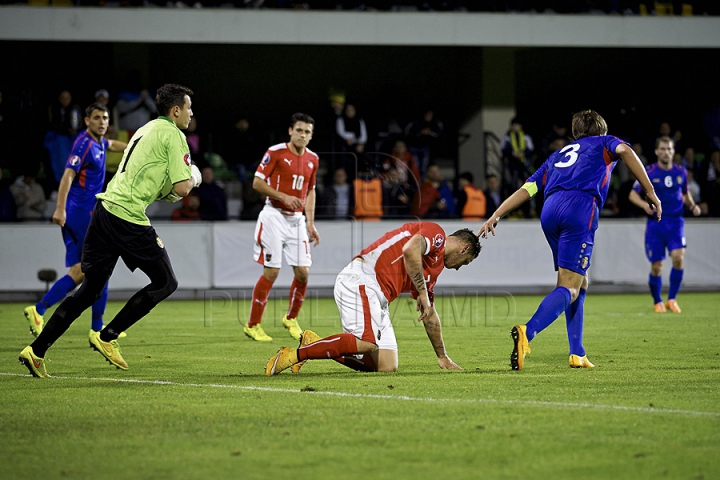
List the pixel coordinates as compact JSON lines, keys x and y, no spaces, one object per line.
{"x":157,"y":155}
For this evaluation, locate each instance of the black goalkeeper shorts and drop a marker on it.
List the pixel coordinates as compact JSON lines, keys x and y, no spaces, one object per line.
{"x":109,"y":238}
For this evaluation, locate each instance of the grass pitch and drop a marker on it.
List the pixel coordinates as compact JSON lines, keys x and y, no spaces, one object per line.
{"x":196,"y":405}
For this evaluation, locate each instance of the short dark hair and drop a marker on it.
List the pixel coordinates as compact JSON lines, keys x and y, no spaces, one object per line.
{"x":301,"y":117}
{"x":171,"y":95}
{"x":468,"y":237}
{"x":467,"y":176}
{"x":664,"y":139}
{"x":588,"y":123}
{"x":95,"y":106}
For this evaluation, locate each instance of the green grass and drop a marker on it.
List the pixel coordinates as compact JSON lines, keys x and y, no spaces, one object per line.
{"x":651,"y":408}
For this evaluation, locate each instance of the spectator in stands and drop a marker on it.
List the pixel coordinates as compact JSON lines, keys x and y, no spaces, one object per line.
{"x":396,"y":195}
{"x":135,"y":106}
{"x":422,"y":136}
{"x":493,"y":192}
{"x":710,"y":184}
{"x":102,"y":97}
{"x":435,"y":198}
{"x":711,"y":195}
{"x":406,"y":166}
{"x":664,"y":130}
{"x":557,"y":138}
{"x":194,"y":141}
{"x":29,"y":195}
{"x":189,"y":210}
{"x":338,"y":199}
{"x":352,"y":129}
{"x":517,"y":148}
{"x":8,"y":208}
{"x":239,"y":149}
{"x":688,"y":161}
{"x":63,"y":123}
{"x":471,"y":202}
{"x":368,"y":197}
{"x":711,"y":125}
{"x":213,"y":201}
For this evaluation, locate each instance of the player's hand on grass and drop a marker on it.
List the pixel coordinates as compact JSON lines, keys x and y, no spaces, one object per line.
{"x":446,"y":363}
{"x":313,"y":235}
{"x":59,"y":216}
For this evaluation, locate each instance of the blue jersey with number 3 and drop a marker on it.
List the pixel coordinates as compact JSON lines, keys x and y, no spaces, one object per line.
{"x":584,"y":165}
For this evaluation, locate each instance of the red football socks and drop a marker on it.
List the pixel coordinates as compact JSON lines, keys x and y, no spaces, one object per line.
{"x":331,"y":347}
{"x":259,"y":300}
{"x":297,"y":296}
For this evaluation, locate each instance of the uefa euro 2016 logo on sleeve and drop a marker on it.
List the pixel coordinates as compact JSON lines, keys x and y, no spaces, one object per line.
{"x":186,"y":159}
{"x":75,"y":161}
{"x":438,"y":240}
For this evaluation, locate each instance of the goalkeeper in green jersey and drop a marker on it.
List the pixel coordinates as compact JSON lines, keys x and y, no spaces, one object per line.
{"x":156,"y":165}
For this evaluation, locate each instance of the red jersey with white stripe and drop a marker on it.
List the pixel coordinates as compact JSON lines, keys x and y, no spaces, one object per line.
{"x":288,"y":173}
{"x":386,"y":254}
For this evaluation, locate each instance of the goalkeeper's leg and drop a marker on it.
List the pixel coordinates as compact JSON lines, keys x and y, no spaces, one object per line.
{"x":162,"y":284}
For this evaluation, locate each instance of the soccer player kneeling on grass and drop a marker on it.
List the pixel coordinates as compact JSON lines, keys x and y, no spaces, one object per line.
{"x":156,"y":166}
{"x":408,"y":259}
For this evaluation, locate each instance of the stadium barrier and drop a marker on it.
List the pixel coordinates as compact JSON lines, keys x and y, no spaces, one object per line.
{"x":209,"y":256}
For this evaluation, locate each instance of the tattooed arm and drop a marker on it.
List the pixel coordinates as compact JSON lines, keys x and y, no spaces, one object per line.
{"x":413,"y":252}
{"x":434,"y":333}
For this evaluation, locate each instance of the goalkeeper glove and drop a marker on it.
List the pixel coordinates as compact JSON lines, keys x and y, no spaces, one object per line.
{"x":195,"y":175}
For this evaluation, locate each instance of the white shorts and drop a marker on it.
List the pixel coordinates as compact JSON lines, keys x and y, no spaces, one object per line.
{"x":363,"y":307}
{"x":276,"y":235}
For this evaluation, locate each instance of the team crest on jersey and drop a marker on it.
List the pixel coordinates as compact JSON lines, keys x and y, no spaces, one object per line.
{"x":268,"y":257}
{"x":186,"y":159}
{"x":160,"y":242}
{"x":679,"y":179}
{"x":75,"y":161}
{"x":310,"y":165}
{"x":438,"y":240}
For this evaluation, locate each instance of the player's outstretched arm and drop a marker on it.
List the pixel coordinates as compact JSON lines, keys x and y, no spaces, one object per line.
{"x":520,"y":196}
{"x":434,"y":333}
{"x":630,"y":158}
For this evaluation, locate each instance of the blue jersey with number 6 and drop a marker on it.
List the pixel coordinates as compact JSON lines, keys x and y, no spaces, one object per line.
{"x":584,"y":165}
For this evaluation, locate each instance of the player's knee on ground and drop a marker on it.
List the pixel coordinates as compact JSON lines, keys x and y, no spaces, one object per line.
{"x":387,"y":361}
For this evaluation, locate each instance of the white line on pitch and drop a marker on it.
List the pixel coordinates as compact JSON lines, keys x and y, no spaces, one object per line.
{"x":386,"y":397}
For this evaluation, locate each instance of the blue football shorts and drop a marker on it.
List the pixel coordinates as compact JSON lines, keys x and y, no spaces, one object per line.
{"x":569,"y":221}
{"x":667,"y":234}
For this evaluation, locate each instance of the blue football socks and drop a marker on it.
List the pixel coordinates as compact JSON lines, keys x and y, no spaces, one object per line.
{"x":655,"y":284}
{"x":56,"y":293}
{"x":676,"y":277}
{"x":98,"y":310}
{"x":574,"y":319}
{"x":549,"y":310}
